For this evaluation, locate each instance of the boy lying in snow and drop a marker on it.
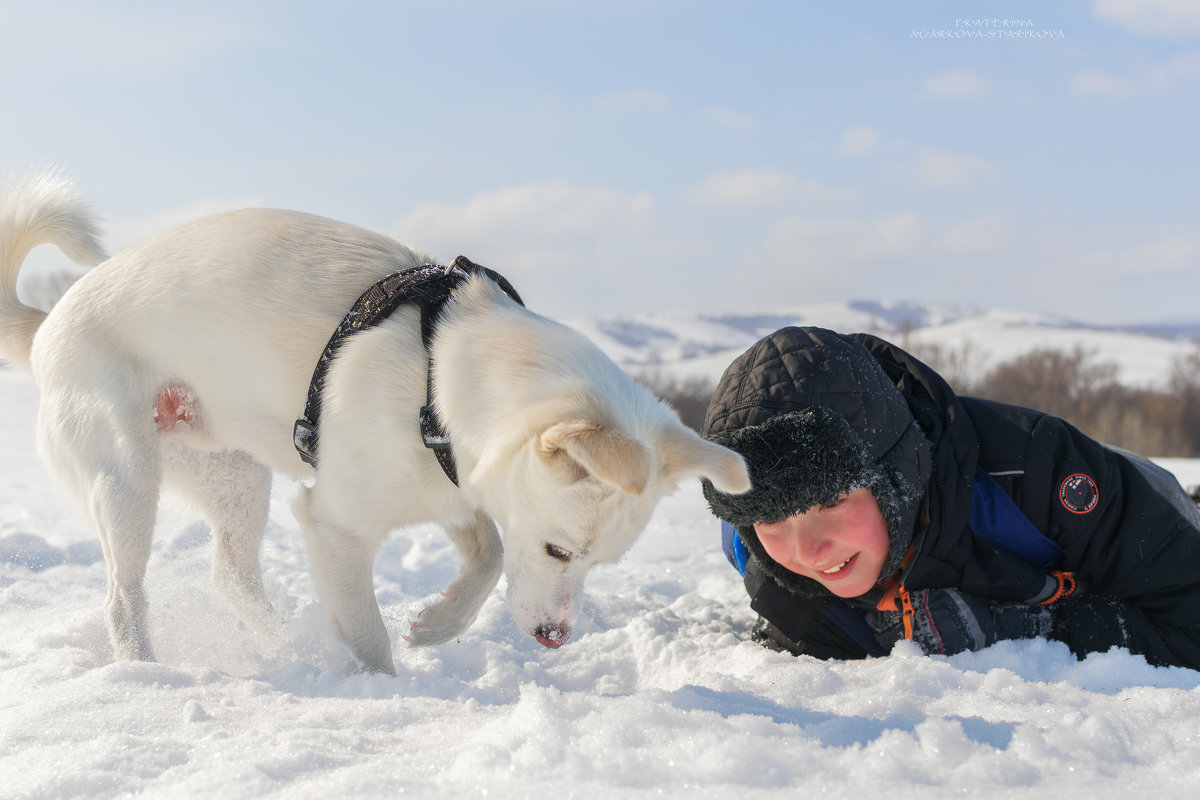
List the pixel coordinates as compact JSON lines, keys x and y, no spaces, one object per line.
{"x":884,"y":505}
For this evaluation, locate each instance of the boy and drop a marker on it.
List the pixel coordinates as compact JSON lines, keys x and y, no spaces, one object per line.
{"x":885,"y":506}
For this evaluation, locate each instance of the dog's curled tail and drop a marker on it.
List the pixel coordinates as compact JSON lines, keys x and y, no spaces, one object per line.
{"x":38,"y":208}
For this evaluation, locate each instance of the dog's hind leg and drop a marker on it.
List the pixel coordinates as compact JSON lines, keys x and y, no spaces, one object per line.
{"x":342,"y":565}
{"x":101,"y":443}
{"x":232,"y":490}
{"x":483,"y":560}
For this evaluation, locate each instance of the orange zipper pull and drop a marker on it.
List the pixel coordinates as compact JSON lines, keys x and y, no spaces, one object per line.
{"x":907,"y":606}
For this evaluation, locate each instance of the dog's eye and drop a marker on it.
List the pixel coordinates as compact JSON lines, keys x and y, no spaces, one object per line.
{"x":554,"y":551}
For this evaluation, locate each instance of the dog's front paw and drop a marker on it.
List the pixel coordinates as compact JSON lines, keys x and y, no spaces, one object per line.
{"x":442,"y":621}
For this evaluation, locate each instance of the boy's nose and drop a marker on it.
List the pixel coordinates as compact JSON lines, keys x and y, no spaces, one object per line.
{"x":809,"y":545}
{"x":810,"y":551}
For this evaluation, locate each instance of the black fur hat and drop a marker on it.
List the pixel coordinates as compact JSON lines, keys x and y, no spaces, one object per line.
{"x":815,"y":417}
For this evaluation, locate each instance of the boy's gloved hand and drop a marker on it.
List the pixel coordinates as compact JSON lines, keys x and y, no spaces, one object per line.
{"x":947,"y":621}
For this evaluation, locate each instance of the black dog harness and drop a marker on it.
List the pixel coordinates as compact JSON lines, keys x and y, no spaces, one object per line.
{"x":428,"y":286}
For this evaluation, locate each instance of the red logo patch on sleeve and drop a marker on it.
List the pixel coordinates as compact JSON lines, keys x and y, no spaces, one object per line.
{"x":1079,"y":493}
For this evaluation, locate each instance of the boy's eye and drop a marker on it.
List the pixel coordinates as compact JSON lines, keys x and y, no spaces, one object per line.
{"x":554,"y":551}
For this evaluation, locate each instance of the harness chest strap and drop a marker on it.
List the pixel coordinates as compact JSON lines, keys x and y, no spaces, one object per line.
{"x":429,"y":287}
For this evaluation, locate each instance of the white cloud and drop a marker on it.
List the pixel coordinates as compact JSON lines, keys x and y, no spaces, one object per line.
{"x":765,"y":188}
{"x":901,"y":233}
{"x":731,"y":120}
{"x":939,"y":169}
{"x":1175,"y":18}
{"x":130,"y":232}
{"x":1182,"y":69}
{"x":987,"y":234}
{"x":1093,"y":271}
{"x":860,"y":140}
{"x":1163,"y":254}
{"x":807,"y":259}
{"x":1163,"y":78}
{"x":1101,"y":84}
{"x":959,"y":85}
{"x":845,"y":242}
{"x":555,"y":211}
{"x":567,"y":248}
{"x":1123,"y":272}
{"x":636,"y":101}
{"x":116,"y":43}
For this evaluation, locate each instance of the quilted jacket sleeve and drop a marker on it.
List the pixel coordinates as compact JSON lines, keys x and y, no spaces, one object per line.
{"x":1130,"y":534}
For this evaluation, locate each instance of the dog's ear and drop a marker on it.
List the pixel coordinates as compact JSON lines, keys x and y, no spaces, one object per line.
{"x":598,"y":450}
{"x":685,"y":453}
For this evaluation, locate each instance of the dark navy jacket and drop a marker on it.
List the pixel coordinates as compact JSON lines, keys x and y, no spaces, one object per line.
{"x":1122,"y":525}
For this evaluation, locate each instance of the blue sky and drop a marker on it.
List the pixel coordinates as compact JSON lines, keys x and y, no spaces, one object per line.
{"x":619,"y":157}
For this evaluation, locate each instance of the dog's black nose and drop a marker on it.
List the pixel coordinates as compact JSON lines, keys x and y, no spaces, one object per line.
{"x":552,"y":636}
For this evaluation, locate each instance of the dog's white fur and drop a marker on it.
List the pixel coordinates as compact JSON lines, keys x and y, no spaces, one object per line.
{"x":186,"y":360}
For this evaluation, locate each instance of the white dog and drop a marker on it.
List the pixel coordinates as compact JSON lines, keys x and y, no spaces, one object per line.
{"x":186,"y":359}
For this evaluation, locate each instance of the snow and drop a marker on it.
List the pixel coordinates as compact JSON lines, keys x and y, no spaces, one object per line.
{"x":659,"y":695}
{"x":1141,"y":360}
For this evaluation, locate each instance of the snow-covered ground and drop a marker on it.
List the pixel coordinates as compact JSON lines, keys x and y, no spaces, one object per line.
{"x":659,"y":694}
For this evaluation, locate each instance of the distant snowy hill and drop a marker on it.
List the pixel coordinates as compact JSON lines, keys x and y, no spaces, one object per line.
{"x":684,"y":344}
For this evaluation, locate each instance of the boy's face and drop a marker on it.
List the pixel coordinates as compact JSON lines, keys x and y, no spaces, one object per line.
{"x":842,"y":546}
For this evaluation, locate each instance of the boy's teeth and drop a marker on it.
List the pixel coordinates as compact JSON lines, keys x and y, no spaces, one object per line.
{"x":837,"y":568}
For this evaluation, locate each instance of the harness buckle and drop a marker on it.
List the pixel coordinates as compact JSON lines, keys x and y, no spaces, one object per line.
{"x":304,"y":437}
{"x":432,"y":434}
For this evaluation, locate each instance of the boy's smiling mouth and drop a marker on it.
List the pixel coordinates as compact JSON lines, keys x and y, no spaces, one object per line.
{"x":836,"y":568}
